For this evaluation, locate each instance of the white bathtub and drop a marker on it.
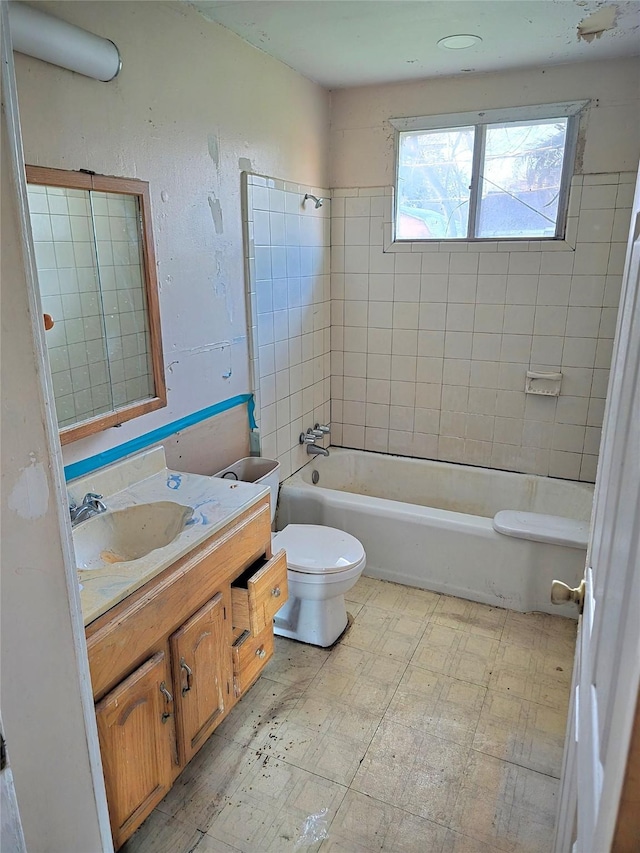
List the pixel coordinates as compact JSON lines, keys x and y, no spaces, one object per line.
{"x":430,"y":524}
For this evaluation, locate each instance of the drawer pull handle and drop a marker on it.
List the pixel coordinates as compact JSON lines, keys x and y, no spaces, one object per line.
{"x":189,"y":671}
{"x":168,"y":697}
{"x":260,"y":653}
{"x":275,"y":592}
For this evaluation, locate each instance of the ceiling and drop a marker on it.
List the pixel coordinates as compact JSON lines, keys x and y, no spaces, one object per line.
{"x":342,"y":43}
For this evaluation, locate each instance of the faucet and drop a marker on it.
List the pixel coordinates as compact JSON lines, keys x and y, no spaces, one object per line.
{"x":91,"y":505}
{"x":311,"y":436}
{"x":314,"y":450}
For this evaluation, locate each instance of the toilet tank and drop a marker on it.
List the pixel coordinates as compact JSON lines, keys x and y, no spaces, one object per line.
{"x":256,"y":469}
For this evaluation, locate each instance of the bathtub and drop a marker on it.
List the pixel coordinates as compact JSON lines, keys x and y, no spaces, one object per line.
{"x":431,"y":524}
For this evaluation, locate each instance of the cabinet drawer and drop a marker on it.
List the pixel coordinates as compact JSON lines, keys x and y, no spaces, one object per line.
{"x":257,"y":595}
{"x":250,"y":654}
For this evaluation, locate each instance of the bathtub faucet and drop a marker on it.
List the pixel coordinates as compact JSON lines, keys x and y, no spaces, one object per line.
{"x":311,"y":436}
{"x":314,"y":450}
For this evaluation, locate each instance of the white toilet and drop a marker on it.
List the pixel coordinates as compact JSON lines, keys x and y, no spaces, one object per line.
{"x":322,"y":565}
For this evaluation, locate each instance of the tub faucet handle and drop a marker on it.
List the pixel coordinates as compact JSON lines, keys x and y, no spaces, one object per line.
{"x":307,"y":438}
{"x":323,"y":429}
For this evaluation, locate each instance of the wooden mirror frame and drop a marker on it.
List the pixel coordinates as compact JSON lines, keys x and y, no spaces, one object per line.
{"x":44,"y":176}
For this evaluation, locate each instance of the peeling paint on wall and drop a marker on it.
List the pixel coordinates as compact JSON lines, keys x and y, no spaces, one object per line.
{"x":594,"y":25}
{"x":29,"y":497}
{"x":245,"y":165}
{"x":216,"y":213}
{"x":213,"y":144}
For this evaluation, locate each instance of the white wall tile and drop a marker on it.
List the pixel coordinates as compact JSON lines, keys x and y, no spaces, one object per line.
{"x":477,"y":317}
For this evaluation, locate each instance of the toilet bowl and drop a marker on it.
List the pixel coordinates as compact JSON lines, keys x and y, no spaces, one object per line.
{"x":323,"y":563}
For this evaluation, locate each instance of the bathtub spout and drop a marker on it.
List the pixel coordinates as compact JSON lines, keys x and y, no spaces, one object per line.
{"x":314,"y":450}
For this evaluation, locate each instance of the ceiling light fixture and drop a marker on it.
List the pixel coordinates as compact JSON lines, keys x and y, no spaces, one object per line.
{"x":460,"y":41}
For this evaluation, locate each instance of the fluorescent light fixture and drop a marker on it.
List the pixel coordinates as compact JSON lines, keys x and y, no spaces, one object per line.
{"x":461,"y":41}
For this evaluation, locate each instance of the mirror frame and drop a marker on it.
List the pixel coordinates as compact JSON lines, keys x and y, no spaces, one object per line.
{"x":45,"y":176}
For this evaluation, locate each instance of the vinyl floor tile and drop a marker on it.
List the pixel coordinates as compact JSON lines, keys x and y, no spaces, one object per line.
{"x":295,"y":663}
{"x":522,"y":732}
{"x":412,"y":770}
{"x":364,"y":823}
{"x":461,"y":655}
{"x":325,"y":753}
{"x":407,"y":601}
{"x":328,"y":717}
{"x":510,"y":807}
{"x":163,"y":832}
{"x":262,"y":710}
{"x":268,"y":811}
{"x":435,"y":703}
{"x":541,"y":677}
{"x":363,"y":589}
{"x":212,"y":845}
{"x":470,"y":616}
{"x":203,"y":787}
{"x":542,"y":632}
{"x":384,"y":632}
{"x":457,"y":843}
{"x":358,"y":678}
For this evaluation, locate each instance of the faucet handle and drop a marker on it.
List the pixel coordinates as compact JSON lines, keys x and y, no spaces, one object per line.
{"x":323,"y":429}
{"x":307,"y":438}
{"x":91,"y":496}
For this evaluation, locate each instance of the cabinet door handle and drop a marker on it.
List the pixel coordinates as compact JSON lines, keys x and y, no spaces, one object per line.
{"x":168,"y":698}
{"x":275,"y":592}
{"x":260,"y":653}
{"x":189,"y":671}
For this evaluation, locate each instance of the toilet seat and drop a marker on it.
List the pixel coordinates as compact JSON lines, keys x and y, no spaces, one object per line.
{"x":316,"y":550}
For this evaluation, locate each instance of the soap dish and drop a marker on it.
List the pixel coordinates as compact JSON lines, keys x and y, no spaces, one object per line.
{"x":546,"y":384}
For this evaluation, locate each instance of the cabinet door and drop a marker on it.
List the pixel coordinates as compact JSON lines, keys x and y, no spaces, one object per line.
{"x":137,"y":742}
{"x":201,"y":660}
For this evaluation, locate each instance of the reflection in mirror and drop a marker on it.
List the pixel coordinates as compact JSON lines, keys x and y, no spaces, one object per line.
{"x":93,"y":254}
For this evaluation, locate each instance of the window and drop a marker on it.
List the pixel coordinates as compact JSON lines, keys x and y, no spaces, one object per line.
{"x":498,"y":174}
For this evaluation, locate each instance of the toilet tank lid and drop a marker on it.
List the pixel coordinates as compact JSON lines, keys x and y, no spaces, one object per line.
{"x":314,"y":549}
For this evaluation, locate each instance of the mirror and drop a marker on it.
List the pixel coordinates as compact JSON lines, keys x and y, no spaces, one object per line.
{"x":96,"y":271}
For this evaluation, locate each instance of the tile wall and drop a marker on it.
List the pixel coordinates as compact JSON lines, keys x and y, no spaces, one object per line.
{"x":116,"y":222}
{"x":99,"y":344}
{"x":431,"y":342}
{"x":288,"y":275}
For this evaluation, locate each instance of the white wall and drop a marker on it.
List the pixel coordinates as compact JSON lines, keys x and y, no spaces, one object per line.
{"x":193,"y":106}
{"x":362,"y":141}
{"x":47,"y":710}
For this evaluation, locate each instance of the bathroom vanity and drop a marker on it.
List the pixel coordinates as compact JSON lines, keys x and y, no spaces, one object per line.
{"x":170,"y":659}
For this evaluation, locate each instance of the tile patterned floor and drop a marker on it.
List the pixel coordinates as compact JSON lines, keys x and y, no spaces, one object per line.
{"x":435,"y":725}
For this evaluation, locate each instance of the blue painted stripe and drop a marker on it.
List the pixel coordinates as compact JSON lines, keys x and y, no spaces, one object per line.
{"x":92,"y":463}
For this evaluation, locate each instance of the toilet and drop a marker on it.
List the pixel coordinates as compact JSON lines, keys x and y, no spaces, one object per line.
{"x":323,"y":563}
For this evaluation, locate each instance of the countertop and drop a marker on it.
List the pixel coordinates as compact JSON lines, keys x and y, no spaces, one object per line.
{"x":215,"y":502}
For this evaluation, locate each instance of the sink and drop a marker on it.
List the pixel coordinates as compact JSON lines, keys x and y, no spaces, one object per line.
{"x":123,"y":535}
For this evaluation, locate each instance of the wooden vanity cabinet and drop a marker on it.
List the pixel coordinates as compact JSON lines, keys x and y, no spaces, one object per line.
{"x":170,"y":661}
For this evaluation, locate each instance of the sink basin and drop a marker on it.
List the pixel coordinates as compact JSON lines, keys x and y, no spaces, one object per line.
{"x":128,"y":534}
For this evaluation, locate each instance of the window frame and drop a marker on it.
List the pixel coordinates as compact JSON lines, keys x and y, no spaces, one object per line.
{"x":571,"y":110}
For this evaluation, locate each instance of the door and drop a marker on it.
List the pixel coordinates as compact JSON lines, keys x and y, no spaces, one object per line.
{"x":607,"y":663}
{"x":136,"y":741}
{"x":201,"y":660}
